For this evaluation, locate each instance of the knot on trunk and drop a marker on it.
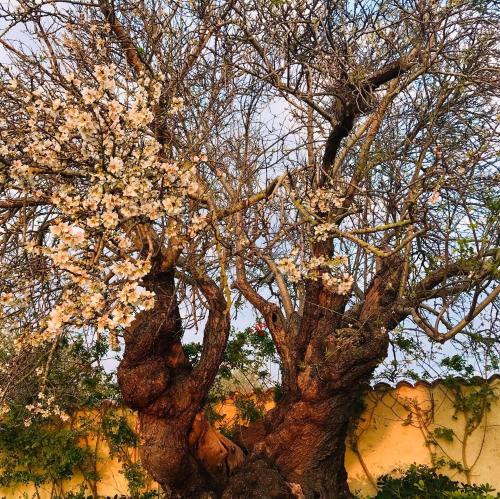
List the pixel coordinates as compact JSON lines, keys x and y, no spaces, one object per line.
{"x":218,"y":455}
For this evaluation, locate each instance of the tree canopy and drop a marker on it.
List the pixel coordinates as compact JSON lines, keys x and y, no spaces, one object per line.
{"x":330,"y":167}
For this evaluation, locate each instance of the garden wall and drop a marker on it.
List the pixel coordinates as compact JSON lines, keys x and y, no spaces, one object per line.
{"x":450,"y":423}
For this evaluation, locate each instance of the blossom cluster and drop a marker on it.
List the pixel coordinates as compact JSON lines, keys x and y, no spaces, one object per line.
{"x":323,"y":200}
{"x":87,"y":148}
{"x":7,"y":300}
{"x":289,"y":267}
{"x":319,"y":268}
{"x":323,"y":231}
{"x":341,"y":285}
{"x":44,"y":407}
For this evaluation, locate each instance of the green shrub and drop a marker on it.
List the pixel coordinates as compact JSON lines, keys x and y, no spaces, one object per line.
{"x":40,"y":453}
{"x":424,"y":482}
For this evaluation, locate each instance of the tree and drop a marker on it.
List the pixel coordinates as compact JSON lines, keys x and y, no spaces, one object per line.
{"x":332,"y":165}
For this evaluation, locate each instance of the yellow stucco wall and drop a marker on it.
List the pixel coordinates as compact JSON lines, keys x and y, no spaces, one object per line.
{"x":394,"y":431}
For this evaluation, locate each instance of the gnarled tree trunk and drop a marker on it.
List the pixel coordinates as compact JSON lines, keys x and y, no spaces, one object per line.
{"x":330,"y":356}
{"x":298,"y":449}
{"x":177,"y":447}
{"x":304,"y":436}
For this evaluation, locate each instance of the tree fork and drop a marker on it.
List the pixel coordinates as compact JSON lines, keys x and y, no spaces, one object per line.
{"x":304,"y":436}
{"x":178,"y":447}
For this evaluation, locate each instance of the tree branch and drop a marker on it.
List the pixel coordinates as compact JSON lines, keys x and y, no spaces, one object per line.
{"x":424,"y":289}
{"x":215,"y":335}
{"x":9,"y":204}
{"x":126,"y":42}
{"x":435,"y":335}
{"x":274,"y":320}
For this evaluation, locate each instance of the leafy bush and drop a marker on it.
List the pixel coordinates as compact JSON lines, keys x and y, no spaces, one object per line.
{"x":40,"y":453}
{"x":424,"y":482}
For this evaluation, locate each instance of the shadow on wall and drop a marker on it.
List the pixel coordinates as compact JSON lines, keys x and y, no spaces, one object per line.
{"x":449,"y":423}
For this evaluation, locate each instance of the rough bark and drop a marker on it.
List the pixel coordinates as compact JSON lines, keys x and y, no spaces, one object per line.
{"x":178,"y":448}
{"x":298,"y":450}
{"x":335,"y":354}
{"x":304,"y":436}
